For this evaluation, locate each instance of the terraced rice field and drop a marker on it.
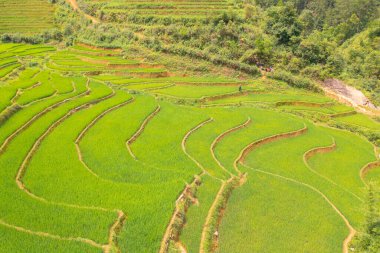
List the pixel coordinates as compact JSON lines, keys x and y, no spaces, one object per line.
{"x":103,"y":153}
{"x":145,"y":11}
{"x":31,"y":16}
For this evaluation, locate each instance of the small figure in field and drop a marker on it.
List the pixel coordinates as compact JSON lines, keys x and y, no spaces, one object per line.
{"x":240,"y":88}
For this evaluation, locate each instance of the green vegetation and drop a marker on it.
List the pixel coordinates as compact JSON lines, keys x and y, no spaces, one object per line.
{"x":30,"y":16}
{"x":187,"y":126}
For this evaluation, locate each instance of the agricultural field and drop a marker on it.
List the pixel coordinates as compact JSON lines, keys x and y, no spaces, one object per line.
{"x":30,"y":16}
{"x":101,"y":152}
{"x":145,"y":11}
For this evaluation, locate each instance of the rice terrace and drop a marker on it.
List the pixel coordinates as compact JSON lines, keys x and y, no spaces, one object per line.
{"x":183,"y":126}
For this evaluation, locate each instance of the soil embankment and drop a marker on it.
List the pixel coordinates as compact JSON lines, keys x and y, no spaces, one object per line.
{"x":349,"y":95}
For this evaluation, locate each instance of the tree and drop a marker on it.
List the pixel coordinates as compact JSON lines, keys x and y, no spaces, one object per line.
{"x":283,"y":23}
{"x":368,"y":239}
{"x":315,"y":49}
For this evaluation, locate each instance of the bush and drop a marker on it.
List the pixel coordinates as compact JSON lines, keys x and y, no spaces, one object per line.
{"x":295,"y":81}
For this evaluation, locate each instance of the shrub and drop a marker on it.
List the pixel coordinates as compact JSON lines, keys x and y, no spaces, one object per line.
{"x":295,"y":81}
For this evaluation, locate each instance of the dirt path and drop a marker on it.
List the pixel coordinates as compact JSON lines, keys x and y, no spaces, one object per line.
{"x":221,"y":137}
{"x":75,"y":7}
{"x":352,"y":233}
{"x":349,"y":95}
{"x":210,"y":232}
{"x":131,"y":140}
{"x":207,"y":225}
{"x":184,"y":140}
{"x":168,"y":236}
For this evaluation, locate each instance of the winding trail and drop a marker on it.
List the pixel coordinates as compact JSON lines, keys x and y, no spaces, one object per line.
{"x":165,"y":242}
{"x":210,"y":228}
{"x":207,"y":225}
{"x":220,"y":138}
{"x":131,"y":140}
{"x":75,"y":7}
{"x":91,"y":124}
{"x":346,"y":242}
{"x":321,"y":150}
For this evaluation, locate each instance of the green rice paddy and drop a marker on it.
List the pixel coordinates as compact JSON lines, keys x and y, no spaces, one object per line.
{"x":30,"y":16}
{"x":98,"y":150}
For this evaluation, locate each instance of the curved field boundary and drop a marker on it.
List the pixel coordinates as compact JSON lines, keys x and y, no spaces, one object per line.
{"x":322,"y":150}
{"x":135,"y":66}
{"x":32,"y":87}
{"x":243,"y":154}
{"x":209,"y":84}
{"x":131,"y":140}
{"x":92,"y":61}
{"x":302,"y":103}
{"x":226,"y":95}
{"x":119,"y":50}
{"x":343,"y":114}
{"x":220,"y":105}
{"x":40,"y":99}
{"x":20,"y":91}
{"x":91,"y":124}
{"x":367,"y":168}
{"x":221,"y":137}
{"x":115,"y":228}
{"x":114,"y":232}
{"x":184,"y":140}
{"x":39,"y":115}
{"x":155,"y":88}
{"x":177,"y":220}
{"x":22,"y":170}
{"x":214,"y":217}
{"x":352,"y":233}
{"x":16,"y":96}
{"x":52,"y":236}
{"x":8,"y":112}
